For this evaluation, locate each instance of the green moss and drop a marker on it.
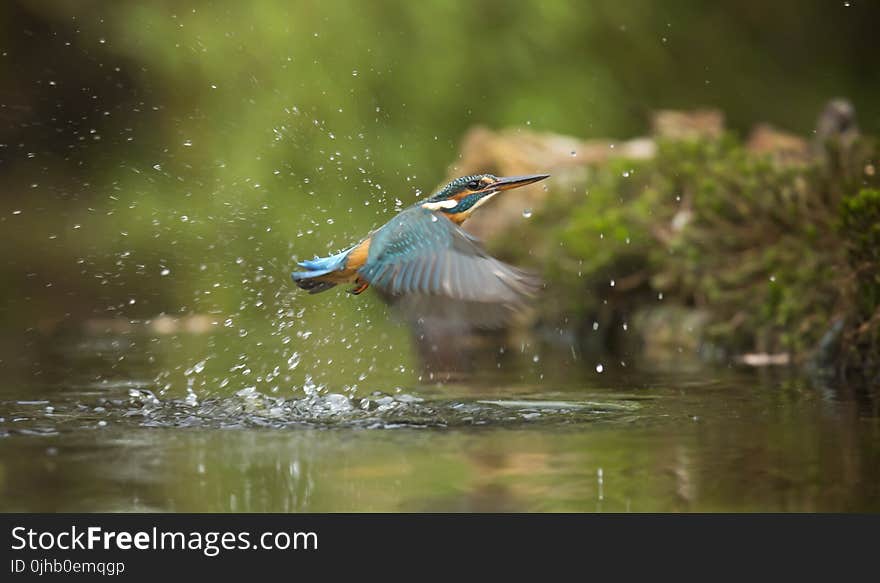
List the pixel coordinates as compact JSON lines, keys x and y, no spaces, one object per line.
{"x":859,"y":228}
{"x":774,"y":253}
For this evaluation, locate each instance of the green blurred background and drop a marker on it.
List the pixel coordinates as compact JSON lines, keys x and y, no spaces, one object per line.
{"x":175,"y":157}
{"x":163,"y":164}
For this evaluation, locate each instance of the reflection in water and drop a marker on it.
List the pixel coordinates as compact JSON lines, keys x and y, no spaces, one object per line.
{"x":646,"y":442}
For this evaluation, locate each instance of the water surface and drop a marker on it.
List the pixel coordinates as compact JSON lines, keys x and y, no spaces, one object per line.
{"x":630,"y":439}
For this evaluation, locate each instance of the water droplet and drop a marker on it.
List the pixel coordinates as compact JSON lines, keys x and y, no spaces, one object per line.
{"x":165,"y":272}
{"x":612,"y":283}
{"x":599,"y":368}
{"x":527,"y":213}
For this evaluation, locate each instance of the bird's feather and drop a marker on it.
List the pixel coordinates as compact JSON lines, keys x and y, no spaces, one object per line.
{"x":426,"y":264}
{"x":317,"y":268}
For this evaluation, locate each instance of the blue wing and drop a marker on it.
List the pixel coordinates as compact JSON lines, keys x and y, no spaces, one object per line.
{"x":420,"y":253}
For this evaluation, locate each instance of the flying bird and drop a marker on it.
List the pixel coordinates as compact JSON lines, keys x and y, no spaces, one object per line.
{"x":424,"y":262}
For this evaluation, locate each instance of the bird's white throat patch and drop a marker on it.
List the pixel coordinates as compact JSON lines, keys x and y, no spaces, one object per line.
{"x":451,"y":203}
{"x":442,"y":204}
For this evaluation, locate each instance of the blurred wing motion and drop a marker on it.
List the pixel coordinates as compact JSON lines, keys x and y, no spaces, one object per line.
{"x":429,"y":268}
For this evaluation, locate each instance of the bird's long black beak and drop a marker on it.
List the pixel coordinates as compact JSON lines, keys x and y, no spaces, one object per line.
{"x":509,"y":182}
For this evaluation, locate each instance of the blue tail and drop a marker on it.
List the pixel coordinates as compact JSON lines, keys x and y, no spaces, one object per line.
{"x":316,"y":268}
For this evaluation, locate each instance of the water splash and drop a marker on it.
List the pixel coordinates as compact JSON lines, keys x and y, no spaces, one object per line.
{"x":250,"y":408}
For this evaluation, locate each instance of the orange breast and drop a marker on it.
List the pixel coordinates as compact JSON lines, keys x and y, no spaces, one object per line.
{"x":354,"y":261}
{"x":458,"y":218}
{"x":358,"y":256}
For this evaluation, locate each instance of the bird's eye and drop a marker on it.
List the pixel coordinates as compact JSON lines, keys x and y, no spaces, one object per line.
{"x":475,"y":185}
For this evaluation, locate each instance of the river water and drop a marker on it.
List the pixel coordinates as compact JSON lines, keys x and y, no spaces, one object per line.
{"x":635,"y":438}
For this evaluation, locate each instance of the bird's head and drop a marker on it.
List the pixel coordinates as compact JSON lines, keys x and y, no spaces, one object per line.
{"x":462,"y":196}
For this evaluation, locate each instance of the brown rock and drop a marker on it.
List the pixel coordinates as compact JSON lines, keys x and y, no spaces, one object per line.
{"x":784,"y":147}
{"x":687,"y":125}
{"x":837,"y":122}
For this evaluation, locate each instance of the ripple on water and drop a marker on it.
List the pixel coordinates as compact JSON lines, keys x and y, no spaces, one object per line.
{"x":250,"y":408}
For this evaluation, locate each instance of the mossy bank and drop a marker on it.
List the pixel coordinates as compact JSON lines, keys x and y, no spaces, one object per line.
{"x":708,"y":245}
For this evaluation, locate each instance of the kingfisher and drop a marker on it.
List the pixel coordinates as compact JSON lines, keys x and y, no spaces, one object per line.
{"x":422,"y":256}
